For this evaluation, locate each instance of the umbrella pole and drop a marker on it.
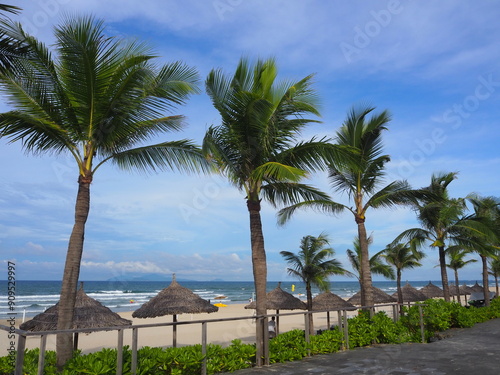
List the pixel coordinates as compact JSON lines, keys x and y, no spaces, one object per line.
{"x":174,"y":333}
{"x":328,"y":319}
{"x":75,"y":341}
{"x":277,"y":322}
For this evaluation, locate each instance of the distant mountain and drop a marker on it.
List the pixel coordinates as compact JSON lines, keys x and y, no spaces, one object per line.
{"x":145,"y":277}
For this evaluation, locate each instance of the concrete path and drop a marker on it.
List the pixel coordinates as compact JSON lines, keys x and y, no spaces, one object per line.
{"x":465,"y":351}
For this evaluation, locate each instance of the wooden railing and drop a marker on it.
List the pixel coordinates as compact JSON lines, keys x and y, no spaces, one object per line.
{"x":22,"y":335}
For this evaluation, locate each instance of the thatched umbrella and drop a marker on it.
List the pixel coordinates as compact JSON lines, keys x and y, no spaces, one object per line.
{"x":432,"y":291}
{"x":379,"y":296}
{"x":477,"y":288}
{"x":278,"y":299}
{"x":88,"y":313}
{"x":331,"y":302}
{"x":410,"y":294}
{"x":174,"y":300}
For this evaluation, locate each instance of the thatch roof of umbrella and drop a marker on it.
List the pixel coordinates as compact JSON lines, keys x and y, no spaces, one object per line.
{"x":89,"y":313}
{"x":379,"y":296}
{"x":329,"y":301}
{"x":477,"y":288}
{"x":173,"y":300}
{"x":278,"y":299}
{"x":463,"y":290}
{"x":466,"y":290}
{"x":410,"y":294}
{"x":432,"y":291}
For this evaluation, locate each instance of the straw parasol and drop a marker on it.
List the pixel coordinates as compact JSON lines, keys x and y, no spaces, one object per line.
{"x":410,"y":294}
{"x":379,"y":296}
{"x":174,"y":300}
{"x":89,"y":313}
{"x":278,"y":299}
{"x":331,"y":302}
{"x":477,"y":288}
{"x":432,"y":291}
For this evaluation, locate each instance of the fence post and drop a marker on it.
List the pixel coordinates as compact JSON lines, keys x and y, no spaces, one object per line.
{"x":41,"y":355}
{"x":21,"y":344}
{"x":204,"y":348}
{"x":346,"y":331}
{"x":306,"y":332}
{"x":135,"y":332}
{"x":422,"y":331}
{"x":119,"y":353}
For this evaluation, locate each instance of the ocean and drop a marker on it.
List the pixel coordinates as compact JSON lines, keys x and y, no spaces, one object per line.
{"x":34,"y":297}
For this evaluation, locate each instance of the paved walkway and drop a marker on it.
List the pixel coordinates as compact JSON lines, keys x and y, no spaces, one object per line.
{"x":465,"y":351}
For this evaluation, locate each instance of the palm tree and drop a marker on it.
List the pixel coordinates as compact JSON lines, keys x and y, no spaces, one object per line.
{"x":402,"y":256}
{"x":360,"y":176}
{"x":256,"y":148}
{"x":487,"y":236}
{"x":443,"y":222}
{"x":313,"y":265}
{"x":98,"y":99}
{"x":494,"y":266}
{"x":377,"y":266}
{"x":456,"y":256}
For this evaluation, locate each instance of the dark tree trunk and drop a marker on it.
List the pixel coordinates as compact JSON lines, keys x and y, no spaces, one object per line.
{"x":64,"y":342}
{"x":444,"y":274}
{"x":486,"y":285}
{"x":309,"y":308}
{"x":364,"y":262}
{"x":400,"y":291}
{"x":457,"y":286}
{"x":259,"y":275}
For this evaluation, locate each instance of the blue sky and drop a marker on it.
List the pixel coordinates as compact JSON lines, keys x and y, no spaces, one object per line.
{"x":433,"y":65}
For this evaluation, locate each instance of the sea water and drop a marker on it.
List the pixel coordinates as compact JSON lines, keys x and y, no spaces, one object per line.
{"x":34,"y":297}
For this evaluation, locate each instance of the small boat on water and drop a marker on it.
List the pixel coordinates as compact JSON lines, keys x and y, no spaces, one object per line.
{"x":220,"y":297}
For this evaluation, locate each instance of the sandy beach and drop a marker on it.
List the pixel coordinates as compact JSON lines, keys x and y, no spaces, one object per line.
{"x":217,"y":332}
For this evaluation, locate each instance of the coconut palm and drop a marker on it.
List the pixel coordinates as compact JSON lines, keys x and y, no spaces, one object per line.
{"x":443,"y":223}
{"x":313,"y":264}
{"x":494,"y":270}
{"x":487,"y":235}
{"x":456,"y":256}
{"x":256,"y":148}
{"x":402,"y":256}
{"x":98,"y":99}
{"x":377,"y":266}
{"x":361,"y":177}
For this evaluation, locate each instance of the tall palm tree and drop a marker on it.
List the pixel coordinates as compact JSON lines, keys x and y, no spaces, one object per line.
{"x":256,"y":148}
{"x":377,"y":266}
{"x":361,"y":177}
{"x":313,"y":264}
{"x":443,"y":223}
{"x":456,"y":255}
{"x":494,"y":270}
{"x":402,"y":256}
{"x":98,"y":99}
{"x":487,"y":236}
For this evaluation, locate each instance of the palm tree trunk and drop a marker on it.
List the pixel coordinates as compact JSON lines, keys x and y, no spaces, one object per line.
{"x":486,"y":285}
{"x":400,"y":292}
{"x":444,"y":274}
{"x":259,"y":275}
{"x":496,"y":286}
{"x":365,"y":273}
{"x":457,"y":285}
{"x":64,"y":342}
{"x":309,"y":308}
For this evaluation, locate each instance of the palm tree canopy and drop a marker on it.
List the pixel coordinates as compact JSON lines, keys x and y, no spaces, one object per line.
{"x":257,"y":144}
{"x":403,"y":256}
{"x":98,"y":98}
{"x":10,"y":49}
{"x":313,"y":263}
{"x":456,"y":256}
{"x":377,"y":266}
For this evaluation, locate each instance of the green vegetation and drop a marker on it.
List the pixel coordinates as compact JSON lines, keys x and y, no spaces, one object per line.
{"x":290,"y":346}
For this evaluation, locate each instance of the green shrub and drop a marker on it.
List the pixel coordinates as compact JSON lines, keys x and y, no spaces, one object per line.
{"x":327,"y":342}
